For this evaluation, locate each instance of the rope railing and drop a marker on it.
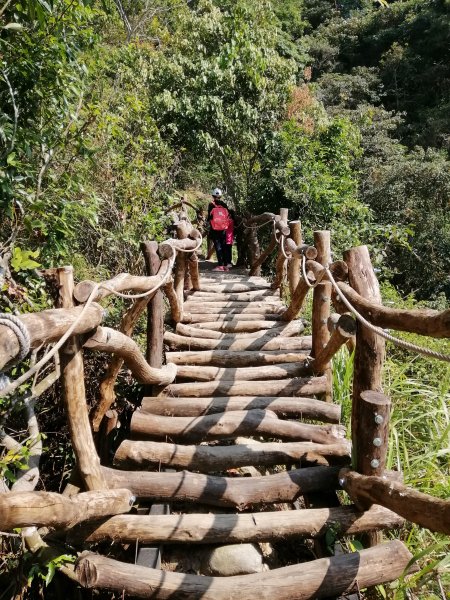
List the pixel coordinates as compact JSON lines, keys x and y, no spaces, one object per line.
{"x":19,"y":329}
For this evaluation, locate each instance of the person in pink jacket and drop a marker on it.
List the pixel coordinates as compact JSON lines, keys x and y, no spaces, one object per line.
{"x":229,"y":240}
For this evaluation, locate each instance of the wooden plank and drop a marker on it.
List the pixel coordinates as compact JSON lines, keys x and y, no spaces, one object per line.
{"x":225,"y":358}
{"x":133,"y":454}
{"x":316,"y":579}
{"x":234,"y":529}
{"x":239,"y":492}
{"x":308,"y":408}
{"x":230,"y":425}
{"x":295,"y":387}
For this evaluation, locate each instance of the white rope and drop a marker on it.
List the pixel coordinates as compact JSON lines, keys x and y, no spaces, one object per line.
{"x":282,"y":249}
{"x":187,"y":251}
{"x":15,"y":384}
{"x":305,"y":276}
{"x":258,"y":226}
{"x":20,"y":331}
{"x":398,"y":342}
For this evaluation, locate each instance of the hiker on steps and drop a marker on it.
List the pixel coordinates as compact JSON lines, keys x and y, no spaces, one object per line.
{"x":219,"y":221}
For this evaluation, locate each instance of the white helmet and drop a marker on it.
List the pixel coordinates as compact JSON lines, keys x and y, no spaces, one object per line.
{"x":217,"y":192}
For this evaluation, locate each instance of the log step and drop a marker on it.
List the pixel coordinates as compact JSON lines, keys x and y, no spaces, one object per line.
{"x":234,"y":529}
{"x":228,"y":425}
{"x":214,"y":459}
{"x":223,"y":358}
{"x":298,"y":386}
{"x":270,"y":306}
{"x":229,"y":342}
{"x":234,"y":287}
{"x":262,"y":295}
{"x":280,"y":371}
{"x":238,"y":492}
{"x":238,"y":326}
{"x":320,"y":578}
{"x":224,"y":317}
{"x":274,"y":328}
{"x":307,"y":408}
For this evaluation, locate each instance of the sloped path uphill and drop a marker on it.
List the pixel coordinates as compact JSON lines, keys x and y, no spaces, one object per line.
{"x":244,"y":445}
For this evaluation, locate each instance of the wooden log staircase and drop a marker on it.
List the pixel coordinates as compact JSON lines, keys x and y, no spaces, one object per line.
{"x":244,"y":391}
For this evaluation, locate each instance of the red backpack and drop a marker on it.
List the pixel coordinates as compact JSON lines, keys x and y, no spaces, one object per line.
{"x":220,"y":218}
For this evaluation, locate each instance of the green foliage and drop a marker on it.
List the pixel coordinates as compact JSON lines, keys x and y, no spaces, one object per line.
{"x":23,"y":259}
{"x":47,"y":570}
{"x":13,"y":460}
{"x":221,"y":87}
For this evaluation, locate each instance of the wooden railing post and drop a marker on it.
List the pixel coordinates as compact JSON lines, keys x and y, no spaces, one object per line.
{"x":281,"y":261}
{"x":321,"y":306}
{"x":155,"y":308}
{"x":370,"y":349}
{"x":72,"y":372}
{"x":180,"y":266}
{"x":294,"y":265}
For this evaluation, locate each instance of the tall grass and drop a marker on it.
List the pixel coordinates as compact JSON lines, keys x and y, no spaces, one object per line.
{"x":419,"y":447}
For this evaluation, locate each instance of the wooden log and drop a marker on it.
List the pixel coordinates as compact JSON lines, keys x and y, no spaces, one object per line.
{"x":106,"y":390}
{"x":266,"y":342}
{"x":344,"y":331}
{"x":256,"y":266}
{"x":370,"y":348}
{"x":223,"y":358}
{"x":372,"y":448}
{"x":239,"y":492}
{"x":253,"y":296}
{"x":321,"y":578}
{"x":262,"y":219}
{"x":281,"y":226}
{"x":338,"y":269}
{"x":193,"y":271}
{"x":48,"y":326}
{"x":180,"y":265}
{"x":48,"y":509}
{"x":106,"y":339}
{"x":238,"y":326}
{"x":230,"y":277}
{"x":280,"y":267}
{"x":155,"y":309}
{"x":147,"y":454}
{"x":321,"y":307}
{"x":286,"y":387}
{"x":224,"y":317}
{"x":74,"y":394}
{"x":176,"y":309}
{"x":293,"y":328}
{"x":416,"y":507}
{"x":307,"y":408}
{"x":297,"y":301}
{"x":294,"y":265}
{"x":124,"y":282}
{"x":229,"y":425}
{"x":422,"y":321}
{"x":235,"y":529}
{"x":280,"y":371}
{"x":230,"y":288}
{"x":299,"y":250}
{"x":232,"y":308}
{"x":167,"y":248}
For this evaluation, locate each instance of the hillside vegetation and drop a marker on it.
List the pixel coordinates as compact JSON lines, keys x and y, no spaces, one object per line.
{"x":110,"y":109}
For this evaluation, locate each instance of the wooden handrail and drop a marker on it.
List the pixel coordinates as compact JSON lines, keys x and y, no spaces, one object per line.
{"x":422,"y":321}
